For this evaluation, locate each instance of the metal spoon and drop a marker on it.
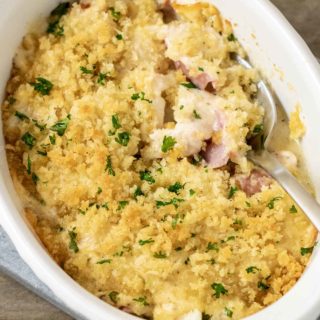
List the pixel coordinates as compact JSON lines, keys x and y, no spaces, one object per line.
{"x":264,"y":159}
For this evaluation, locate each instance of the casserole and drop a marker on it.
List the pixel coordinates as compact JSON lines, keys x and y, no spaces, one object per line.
{"x":92,"y":311}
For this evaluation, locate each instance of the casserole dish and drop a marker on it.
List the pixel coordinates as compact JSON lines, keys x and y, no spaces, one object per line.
{"x":250,"y":38}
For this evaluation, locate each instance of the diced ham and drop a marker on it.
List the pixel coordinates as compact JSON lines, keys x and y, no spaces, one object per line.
{"x":254,"y":182}
{"x":216,"y":155}
{"x":203,"y":80}
{"x":85,"y":5}
{"x":169,"y":14}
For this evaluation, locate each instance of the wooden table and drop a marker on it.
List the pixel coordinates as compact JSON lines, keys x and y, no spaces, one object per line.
{"x":17,"y":303}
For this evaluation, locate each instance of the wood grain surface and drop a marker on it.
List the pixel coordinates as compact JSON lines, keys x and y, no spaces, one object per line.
{"x":17,"y":303}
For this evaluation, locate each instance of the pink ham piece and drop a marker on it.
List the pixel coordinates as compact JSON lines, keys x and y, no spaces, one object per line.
{"x":169,"y":14}
{"x":216,"y":155}
{"x":254,"y":183}
{"x":203,"y":80}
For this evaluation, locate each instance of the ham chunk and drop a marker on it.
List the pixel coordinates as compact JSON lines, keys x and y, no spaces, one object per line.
{"x":254,"y":182}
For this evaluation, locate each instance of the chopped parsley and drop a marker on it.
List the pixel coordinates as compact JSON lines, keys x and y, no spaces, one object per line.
{"x":175,"y":220}
{"x":42,"y":85}
{"x":99,"y":190}
{"x":119,"y":36}
{"x":123,"y":138}
{"x":146,"y":176}
{"x":232,"y":37}
{"x":108,"y":168}
{"x":219,"y":289}
{"x":84,"y":70}
{"x":248,"y":204}
{"x":103,"y":261}
{"x":200,"y":69}
{"x":11,"y":100}
{"x":270,"y":204}
{"x":293,"y":209}
{"x":263,"y":286}
{"x":305,"y":251}
{"x":29,"y":140}
{"x":232,"y":192}
{"x":176,"y":187}
{"x":143,"y":242}
{"x":258,"y":128}
{"x":191,"y":192}
{"x":137,"y":193}
{"x":115,"y":122}
{"x":160,"y":255}
{"x":175,"y":202}
{"x":21,"y":116}
{"x":55,"y":28}
{"x":122,"y":204}
{"x":168,"y":143}
{"x":115,"y":14}
{"x":113,"y":295}
{"x":61,"y":126}
{"x":140,"y":96}
{"x":73,"y":241}
{"x":61,"y":9}
{"x":252,"y":269}
{"x":105,"y":206}
{"x":42,"y":153}
{"x":189,"y":85}
{"x":196,"y":159}
{"x":29,"y":165}
{"x":228,"y":312}
{"x":212,"y":246}
{"x":142,"y":300}
{"x":52,"y":139}
{"x":101,"y":78}
{"x":196,"y":115}
{"x":41,"y":127}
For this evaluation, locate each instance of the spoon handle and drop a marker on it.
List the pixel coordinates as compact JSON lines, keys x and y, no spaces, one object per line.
{"x":301,"y":196}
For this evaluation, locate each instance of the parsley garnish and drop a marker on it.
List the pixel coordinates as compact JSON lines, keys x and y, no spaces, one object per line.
{"x":293,"y":209}
{"x":146,"y":176}
{"x":228,"y":312}
{"x":258,"y":128}
{"x":232,"y":192}
{"x":160,"y":255}
{"x":122,"y":204}
{"x":29,"y":140}
{"x":42,"y":153}
{"x":41,"y":127}
{"x":73,"y":241}
{"x":137,"y":193}
{"x":119,"y":36}
{"x":99,"y":190}
{"x":84,"y":70}
{"x":196,"y":160}
{"x":191,"y":192}
{"x":115,"y":14}
{"x":206,"y":316}
{"x":11,"y":100}
{"x":55,"y":28}
{"x":116,"y":122}
{"x":123,"y":138}
{"x":232,"y":37}
{"x":263,"y":286}
{"x":176,"y":187}
{"x":143,"y":242}
{"x":305,"y":251}
{"x":105,"y":206}
{"x":174,"y":202}
{"x":189,"y":85}
{"x":168,"y":143}
{"x":29,"y":165}
{"x":42,"y":85}
{"x":109,"y":167}
{"x":141,"y":96}
{"x":212,"y":246}
{"x":61,"y":9}
{"x":21,"y":116}
{"x":252,"y":269}
{"x":101,"y":78}
{"x":142,"y":300}
{"x":61,"y":126}
{"x":201,"y":69}
{"x":196,"y":114}
{"x":175,"y":220}
{"x":103,"y":261}
{"x":219,"y":289}
{"x":113,"y":295}
{"x":270,"y":204}
{"x":52,"y":139}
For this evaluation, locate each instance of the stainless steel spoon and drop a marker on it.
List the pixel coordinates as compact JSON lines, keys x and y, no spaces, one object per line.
{"x":264,"y":159}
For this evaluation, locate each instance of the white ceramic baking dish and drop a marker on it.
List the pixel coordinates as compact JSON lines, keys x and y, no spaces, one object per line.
{"x":284,"y":59}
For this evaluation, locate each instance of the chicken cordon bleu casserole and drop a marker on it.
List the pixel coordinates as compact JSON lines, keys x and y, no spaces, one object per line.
{"x":127,"y":126}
